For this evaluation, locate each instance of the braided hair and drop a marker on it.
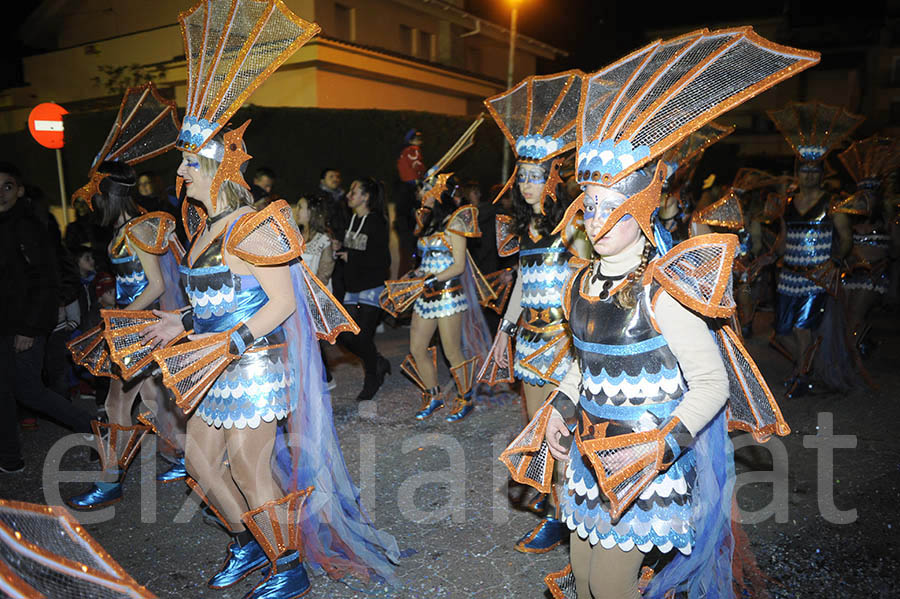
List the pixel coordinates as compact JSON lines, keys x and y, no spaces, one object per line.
{"x":626,"y":298}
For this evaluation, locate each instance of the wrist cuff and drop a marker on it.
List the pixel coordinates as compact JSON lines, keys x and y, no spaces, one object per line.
{"x":564,"y":405}
{"x":508,"y":327}
{"x":241,"y":339}
{"x":187,"y":319}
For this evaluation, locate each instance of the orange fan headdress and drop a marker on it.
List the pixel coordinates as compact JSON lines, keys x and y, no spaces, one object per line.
{"x":146,"y":126}
{"x":537,"y":116}
{"x":232,"y":47}
{"x":814,"y":129}
{"x":637,"y":108}
{"x":868,"y":161}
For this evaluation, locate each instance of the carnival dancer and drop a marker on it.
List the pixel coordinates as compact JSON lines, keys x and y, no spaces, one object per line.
{"x":812,"y":255}
{"x":449,"y":301}
{"x":541,"y":142}
{"x":867,"y":281}
{"x":143,"y":253}
{"x":253,"y":360}
{"x":650,"y":466}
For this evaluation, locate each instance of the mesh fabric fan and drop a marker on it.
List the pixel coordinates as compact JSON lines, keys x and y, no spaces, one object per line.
{"x":646,"y":103}
{"x":868,"y":161}
{"x":45,"y":552}
{"x":537,"y":117}
{"x":814,"y":129}
{"x":146,"y":126}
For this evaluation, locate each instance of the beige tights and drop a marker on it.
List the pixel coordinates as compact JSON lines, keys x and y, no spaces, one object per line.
{"x":604,"y":573}
{"x":421,"y":331}
{"x":246,"y":481}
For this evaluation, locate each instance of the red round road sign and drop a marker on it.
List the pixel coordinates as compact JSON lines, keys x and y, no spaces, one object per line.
{"x":46,"y":124}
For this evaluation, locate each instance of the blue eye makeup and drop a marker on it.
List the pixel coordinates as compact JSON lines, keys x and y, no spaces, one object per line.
{"x":523,"y":177}
{"x":191,"y":163}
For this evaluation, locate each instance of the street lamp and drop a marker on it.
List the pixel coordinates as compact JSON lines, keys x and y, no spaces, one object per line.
{"x":513,"y":18}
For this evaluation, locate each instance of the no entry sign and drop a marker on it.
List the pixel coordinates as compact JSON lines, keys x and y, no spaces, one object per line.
{"x":46,"y":124}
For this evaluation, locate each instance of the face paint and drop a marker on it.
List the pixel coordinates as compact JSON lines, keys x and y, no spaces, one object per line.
{"x":192,"y":163}
{"x":600,"y":210}
{"x":526,"y":176}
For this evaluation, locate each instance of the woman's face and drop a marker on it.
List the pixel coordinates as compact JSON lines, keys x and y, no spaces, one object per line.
{"x":145,"y":185}
{"x":196,"y":182}
{"x":356,"y":198}
{"x":301,"y":212}
{"x":530,"y":179}
{"x":599,"y":203}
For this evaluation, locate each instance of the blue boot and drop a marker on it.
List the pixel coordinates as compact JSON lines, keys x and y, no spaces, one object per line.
{"x":99,"y":495}
{"x":431,"y":403}
{"x":176,"y":472}
{"x":287,"y":580}
{"x":464,"y":377}
{"x":241,"y":561}
{"x":461,"y":408}
{"x":546,"y":535}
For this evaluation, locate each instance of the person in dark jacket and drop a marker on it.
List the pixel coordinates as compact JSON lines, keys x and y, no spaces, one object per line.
{"x":366,"y":259}
{"x":29,"y":295}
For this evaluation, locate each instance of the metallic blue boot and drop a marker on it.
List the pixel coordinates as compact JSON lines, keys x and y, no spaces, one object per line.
{"x":431,"y":403}
{"x":287,"y":580}
{"x":549,"y":533}
{"x":99,"y":495}
{"x":464,"y":377}
{"x":241,"y":562}
{"x":176,"y":472}
{"x":461,"y":408}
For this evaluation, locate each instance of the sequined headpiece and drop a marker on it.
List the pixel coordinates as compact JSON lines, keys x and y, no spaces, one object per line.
{"x":146,"y":126}
{"x":634,"y":110}
{"x":814,"y":129}
{"x":868,"y":161}
{"x":232,"y":47}
{"x":537,"y":116}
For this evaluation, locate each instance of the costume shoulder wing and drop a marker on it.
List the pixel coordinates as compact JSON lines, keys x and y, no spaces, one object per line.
{"x":329,"y":316}
{"x":464,"y":222}
{"x":576,"y":267}
{"x":267,"y":237}
{"x":697,"y":273}
{"x":751,"y":404}
{"x":507,"y":241}
{"x":151,"y":232}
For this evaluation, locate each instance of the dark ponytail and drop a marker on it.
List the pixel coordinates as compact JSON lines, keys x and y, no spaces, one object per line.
{"x":116,"y":192}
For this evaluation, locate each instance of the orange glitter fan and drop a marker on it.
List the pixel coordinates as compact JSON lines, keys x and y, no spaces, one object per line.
{"x":91,"y":351}
{"x":871,"y":159}
{"x":47,"y":553}
{"x":232,"y":47}
{"x":528,"y":456}
{"x":725,"y":212}
{"x":642,"y":105}
{"x":814,"y":129}
{"x":146,"y":126}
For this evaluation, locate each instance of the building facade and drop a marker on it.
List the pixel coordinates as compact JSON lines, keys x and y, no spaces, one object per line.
{"x":429,"y":55}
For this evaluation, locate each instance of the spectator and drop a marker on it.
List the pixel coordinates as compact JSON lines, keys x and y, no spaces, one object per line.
{"x":150,"y":195}
{"x":261,"y":189}
{"x":410,"y":170}
{"x":338,"y":216}
{"x":28,"y":292}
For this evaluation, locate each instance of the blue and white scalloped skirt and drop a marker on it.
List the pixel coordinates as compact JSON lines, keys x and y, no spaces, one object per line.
{"x":660,"y":517}
{"x":528,"y":342}
{"x":252,"y":390}
{"x":445,"y":304}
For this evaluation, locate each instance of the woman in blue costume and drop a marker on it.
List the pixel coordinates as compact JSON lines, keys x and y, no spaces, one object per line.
{"x":651,"y":470}
{"x":448,"y":303}
{"x":534,"y":315}
{"x":257,"y":305}
{"x":144,"y":271}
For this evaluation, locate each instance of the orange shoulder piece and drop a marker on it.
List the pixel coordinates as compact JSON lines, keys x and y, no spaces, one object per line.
{"x":507,"y":241}
{"x":268,"y":237}
{"x":725,"y":213}
{"x":150,"y":232}
{"x":464,"y":222}
{"x":697,"y":273}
